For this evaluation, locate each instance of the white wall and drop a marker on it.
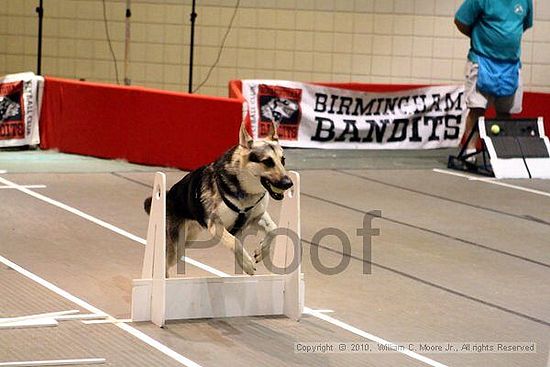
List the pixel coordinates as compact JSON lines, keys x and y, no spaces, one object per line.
{"x":372,"y":41}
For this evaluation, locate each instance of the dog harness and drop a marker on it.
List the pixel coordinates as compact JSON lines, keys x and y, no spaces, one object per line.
{"x":241,"y":213}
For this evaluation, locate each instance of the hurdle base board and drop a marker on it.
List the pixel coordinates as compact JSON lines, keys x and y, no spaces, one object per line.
{"x":539,"y":167}
{"x":213,"y":297}
{"x":509,"y":168}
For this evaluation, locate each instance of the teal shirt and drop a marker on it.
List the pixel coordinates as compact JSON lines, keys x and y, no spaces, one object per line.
{"x":497,"y":26}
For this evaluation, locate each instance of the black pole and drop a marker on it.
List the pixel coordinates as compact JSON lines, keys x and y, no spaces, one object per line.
{"x":192,"y":46}
{"x":128,"y":15}
{"x":40,"y":11}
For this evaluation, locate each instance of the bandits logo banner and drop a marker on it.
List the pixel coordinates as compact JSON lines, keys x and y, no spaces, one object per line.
{"x":314,"y":116}
{"x":12,"y":122}
{"x":19,"y":109}
{"x":281,"y":105}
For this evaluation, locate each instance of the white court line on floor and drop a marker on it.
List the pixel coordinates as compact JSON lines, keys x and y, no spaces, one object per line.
{"x":492,"y":181}
{"x":202,"y":266}
{"x":58,"y":362}
{"x":205,"y":267}
{"x":131,"y":330}
{"x":25,"y":186}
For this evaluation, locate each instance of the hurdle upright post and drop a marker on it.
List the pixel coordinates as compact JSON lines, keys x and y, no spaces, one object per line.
{"x":154,"y":261}
{"x":287,"y":254}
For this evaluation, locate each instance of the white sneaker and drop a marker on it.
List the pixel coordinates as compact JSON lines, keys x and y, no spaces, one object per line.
{"x":472,"y":159}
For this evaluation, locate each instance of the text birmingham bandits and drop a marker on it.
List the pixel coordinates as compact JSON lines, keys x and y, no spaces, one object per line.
{"x":416,"y":110}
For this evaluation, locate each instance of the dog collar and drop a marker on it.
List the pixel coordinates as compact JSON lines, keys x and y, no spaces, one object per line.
{"x":241,"y":217}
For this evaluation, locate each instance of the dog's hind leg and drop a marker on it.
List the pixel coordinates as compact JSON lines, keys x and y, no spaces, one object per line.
{"x":188,"y":232}
{"x":231,"y":242}
{"x":172,"y":239}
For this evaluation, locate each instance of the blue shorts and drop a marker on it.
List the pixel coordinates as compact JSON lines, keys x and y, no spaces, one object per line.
{"x":477,"y":99}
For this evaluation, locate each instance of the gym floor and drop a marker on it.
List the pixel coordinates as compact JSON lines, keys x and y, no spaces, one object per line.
{"x":459,"y":259}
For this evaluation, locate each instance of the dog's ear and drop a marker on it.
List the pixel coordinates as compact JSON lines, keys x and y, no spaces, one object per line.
{"x":245,"y":140}
{"x":272,"y":135}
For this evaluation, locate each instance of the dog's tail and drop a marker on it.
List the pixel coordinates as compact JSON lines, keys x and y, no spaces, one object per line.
{"x":147,"y":204}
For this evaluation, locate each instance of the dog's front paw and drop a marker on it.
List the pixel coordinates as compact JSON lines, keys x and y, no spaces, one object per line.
{"x":261,"y":252}
{"x":248,"y":266}
{"x":258,"y":255}
{"x":246,"y":262}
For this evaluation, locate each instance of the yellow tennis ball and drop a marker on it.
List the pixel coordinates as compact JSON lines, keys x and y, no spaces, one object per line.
{"x":495,"y":129}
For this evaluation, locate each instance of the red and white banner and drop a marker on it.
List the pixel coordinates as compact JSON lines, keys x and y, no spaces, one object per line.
{"x":20,"y":98}
{"x":313,"y":116}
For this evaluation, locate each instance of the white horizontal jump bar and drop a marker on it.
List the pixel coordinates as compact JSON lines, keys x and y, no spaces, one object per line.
{"x":25,"y":186}
{"x":106,"y":321}
{"x":59,"y":362}
{"x":30,"y":323}
{"x":38,"y":316}
{"x":46,"y":319}
{"x":86,"y":316}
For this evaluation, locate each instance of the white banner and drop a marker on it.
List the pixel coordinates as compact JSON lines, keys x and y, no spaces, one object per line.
{"x":20,"y":99}
{"x":313,"y":116}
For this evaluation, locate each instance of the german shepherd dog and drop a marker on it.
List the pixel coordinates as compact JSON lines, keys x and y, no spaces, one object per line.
{"x":226,"y":197}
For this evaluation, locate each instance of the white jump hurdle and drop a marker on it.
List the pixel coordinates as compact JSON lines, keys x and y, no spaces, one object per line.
{"x":157,"y":299}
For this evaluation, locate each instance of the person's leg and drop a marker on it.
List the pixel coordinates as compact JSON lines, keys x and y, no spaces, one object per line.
{"x":506,"y":106}
{"x":503,"y":115}
{"x":475,"y":101}
{"x":473,"y":116}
